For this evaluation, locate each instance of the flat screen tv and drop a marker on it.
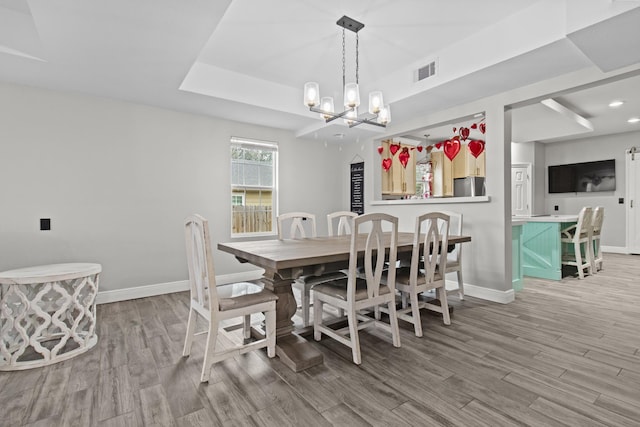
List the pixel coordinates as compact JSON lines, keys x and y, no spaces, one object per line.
{"x":583,"y":177}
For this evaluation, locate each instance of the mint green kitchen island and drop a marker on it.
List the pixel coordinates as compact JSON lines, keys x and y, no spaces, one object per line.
{"x":541,"y":246}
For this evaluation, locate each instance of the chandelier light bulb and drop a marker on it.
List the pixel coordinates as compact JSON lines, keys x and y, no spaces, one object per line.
{"x":311,"y":94}
{"x":351,"y":95}
{"x":351,"y":116}
{"x":384,"y":116}
{"x":375,"y":102}
{"x":326,"y":104}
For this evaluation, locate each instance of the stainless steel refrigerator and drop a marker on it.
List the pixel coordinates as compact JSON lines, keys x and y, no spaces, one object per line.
{"x":470,"y":186}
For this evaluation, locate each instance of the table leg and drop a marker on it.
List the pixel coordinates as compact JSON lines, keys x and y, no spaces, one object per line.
{"x":293,"y":350}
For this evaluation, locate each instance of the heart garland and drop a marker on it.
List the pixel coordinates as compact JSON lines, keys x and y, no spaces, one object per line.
{"x":393,"y":148}
{"x":386,"y":164}
{"x":476,"y":147}
{"x":439,"y":144}
{"x":380,"y":150}
{"x":420,"y":148}
{"x":464,"y":133}
{"x":483,"y":127}
{"x":404,"y":157}
{"x":451,"y":148}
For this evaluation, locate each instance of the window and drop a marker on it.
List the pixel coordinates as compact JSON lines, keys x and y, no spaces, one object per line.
{"x":253,"y":186}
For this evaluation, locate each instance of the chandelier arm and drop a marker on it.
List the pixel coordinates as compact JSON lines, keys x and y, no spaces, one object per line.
{"x":357,"y":122}
{"x":333,"y":116}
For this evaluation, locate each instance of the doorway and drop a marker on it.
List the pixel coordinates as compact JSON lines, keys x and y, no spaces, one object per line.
{"x":521,"y":190}
{"x":633,"y":200}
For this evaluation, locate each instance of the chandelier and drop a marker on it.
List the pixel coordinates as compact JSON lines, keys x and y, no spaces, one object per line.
{"x":378,"y":114}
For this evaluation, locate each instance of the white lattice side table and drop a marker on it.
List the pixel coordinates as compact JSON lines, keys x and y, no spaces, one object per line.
{"x":47,"y":314}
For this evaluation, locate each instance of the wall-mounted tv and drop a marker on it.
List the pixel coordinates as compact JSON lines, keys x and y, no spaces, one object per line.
{"x":583,"y":177}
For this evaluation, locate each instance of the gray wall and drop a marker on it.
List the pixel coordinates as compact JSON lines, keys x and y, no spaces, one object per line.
{"x":588,"y":150}
{"x":117,"y":180}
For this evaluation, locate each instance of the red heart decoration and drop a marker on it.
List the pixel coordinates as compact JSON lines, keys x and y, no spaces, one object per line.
{"x":451,"y":148}
{"x":429,"y":148}
{"x":380,"y":150}
{"x":439,"y":144}
{"x":393,"y":148}
{"x":474,"y":126}
{"x":420,"y":147}
{"x":457,"y":138}
{"x":464,"y":133}
{"x":476,"y":147}
{"x":404,"y":158}
{"x":454,"y":130}
{"x":386,"y":164}
{"x":483,"y":127}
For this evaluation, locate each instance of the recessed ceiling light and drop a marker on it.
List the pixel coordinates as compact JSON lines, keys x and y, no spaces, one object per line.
{"x":614,"y":104}
{"x":634,"y":120}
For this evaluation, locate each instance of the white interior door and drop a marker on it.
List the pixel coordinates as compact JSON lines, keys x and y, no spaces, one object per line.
{"x":633,"y":200}
{"x":520,"y":190}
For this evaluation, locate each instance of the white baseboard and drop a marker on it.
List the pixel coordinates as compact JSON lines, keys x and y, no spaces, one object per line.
{"x":615,"y":249}
{"x":502,"y":297}
{"x":105,"y":297}
{"x":116,"y":295}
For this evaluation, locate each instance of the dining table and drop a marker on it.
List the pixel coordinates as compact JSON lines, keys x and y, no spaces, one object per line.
{"x":285,"y":260}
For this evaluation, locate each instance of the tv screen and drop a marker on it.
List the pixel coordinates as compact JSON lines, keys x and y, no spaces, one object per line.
{"x":583,"y":177}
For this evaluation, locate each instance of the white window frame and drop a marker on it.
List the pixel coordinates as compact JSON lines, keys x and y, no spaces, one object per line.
{"x":252,"y":143}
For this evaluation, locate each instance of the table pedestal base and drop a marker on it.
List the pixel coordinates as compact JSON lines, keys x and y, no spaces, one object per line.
{"x":293,"y":350}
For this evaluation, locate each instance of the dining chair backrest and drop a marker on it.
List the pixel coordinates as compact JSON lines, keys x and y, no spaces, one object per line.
{"x":455,"y":229}
{"x":202,"y":278}
{"x":373,"y":243}
{"x":584,"y":225}
{"x":597,"y":220}
{"x":430,"y":244}
{"x":297,"y":226}
{"x":345,"y":222}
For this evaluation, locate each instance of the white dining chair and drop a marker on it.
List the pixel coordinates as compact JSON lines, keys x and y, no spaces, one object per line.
{"x":301,"y":225}
{"x":343,"y":225}
{"x":354,"y":293}
{"x":597,"y":221}
{"x":218,"y":303}
{"x":428,"y":260}
{"x":454,"y":258}
{"x":579,"y":235}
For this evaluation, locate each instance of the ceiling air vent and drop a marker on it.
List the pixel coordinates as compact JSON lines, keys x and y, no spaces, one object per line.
{"x":426,"y":71}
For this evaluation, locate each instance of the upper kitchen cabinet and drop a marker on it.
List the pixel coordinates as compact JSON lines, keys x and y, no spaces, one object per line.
{"x":466,"y":164}
{"x":398,"y":168}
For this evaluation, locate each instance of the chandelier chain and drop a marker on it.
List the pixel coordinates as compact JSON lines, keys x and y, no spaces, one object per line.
{"x":344,"y":81}
{"x":357,"y":60}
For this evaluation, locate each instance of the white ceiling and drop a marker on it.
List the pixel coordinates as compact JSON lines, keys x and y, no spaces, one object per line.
{"x":247,"y":60}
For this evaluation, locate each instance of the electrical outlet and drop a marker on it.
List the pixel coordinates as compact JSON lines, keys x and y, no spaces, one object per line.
{"x":621,"y":201}
{"x":555,"y":208}
{"x":45,"y":224}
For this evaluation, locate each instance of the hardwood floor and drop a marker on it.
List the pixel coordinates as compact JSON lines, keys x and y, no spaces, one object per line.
{"x":564,"y":353}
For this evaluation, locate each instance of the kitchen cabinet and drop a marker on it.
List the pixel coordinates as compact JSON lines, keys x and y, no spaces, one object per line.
{"x":442,"y":169}
{"x":398,"y":180}
{"x":464,"y":164}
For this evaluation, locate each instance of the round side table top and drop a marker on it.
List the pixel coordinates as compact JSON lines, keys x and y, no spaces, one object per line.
{"x":46,"y":273}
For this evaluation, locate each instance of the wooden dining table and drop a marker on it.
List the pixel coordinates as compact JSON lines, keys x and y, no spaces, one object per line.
{"x":285,"y":260}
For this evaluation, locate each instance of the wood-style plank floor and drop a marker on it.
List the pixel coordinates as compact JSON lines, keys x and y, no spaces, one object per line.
{"x":564,"y":353}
